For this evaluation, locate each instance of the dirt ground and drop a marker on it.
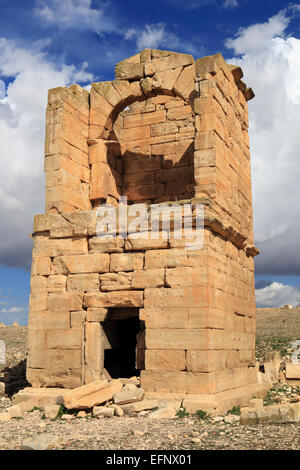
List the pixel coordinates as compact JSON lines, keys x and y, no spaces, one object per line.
{"x":275,"y":330}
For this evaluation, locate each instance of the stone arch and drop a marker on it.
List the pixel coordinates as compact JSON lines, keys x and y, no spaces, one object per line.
{"x":161,"y":82}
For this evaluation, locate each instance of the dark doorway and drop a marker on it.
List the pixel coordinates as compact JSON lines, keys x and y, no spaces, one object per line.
{"x":121,"y":328}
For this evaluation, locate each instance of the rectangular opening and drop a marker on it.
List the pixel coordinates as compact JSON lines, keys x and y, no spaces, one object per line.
{"x":124,"y":348}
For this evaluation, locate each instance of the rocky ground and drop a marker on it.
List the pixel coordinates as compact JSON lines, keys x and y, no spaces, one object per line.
{"x":183,"y":432}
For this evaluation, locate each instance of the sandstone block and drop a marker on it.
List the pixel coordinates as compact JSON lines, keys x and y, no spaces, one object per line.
{"x":91,"y":395}
{"x":68,"y":301}
{"x":106,"y":245}
{"x":91,"y":263}
{"x":164,"y":360}
{"x":43,"y":246}
{"x":129,"y":71}
{"x":129,"y":394}
{"x":116,"y":281}
{"x":138,"y":406}
{"x":96,"y":314}
{"x":103,"y":411}
{"x":83,"y":282}
{"x":148,"y":278}
{"x":166,"y":258}
{"x":51,"y":411}
{"x":292,"y":371}
{"x":126,"y":262}
{"x":114,"y":299}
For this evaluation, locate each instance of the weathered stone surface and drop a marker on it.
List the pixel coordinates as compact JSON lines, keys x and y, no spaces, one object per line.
{"x":42,"y":442}
{"x":51,"y":411}
{"x":103,"y":411}
{"x":140,"y":406}
{"x":284,"y":413}
{"x":96,"y":263}
{"x":292,"y":371}
{"x":129,"y":394}
{"x":91,"y":395}
{"x":167,"y":130}
{"x":167,"y":411}
{"x":114,"y":299}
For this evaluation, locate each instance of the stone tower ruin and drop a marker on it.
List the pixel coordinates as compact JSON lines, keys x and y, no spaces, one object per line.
{"x":168,"y":130}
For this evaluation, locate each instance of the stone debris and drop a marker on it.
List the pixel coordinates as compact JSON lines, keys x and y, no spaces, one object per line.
{"x":293,"y":371}
{"x":231,"y":419}
{"x":90,"y":395}
{"x":42,"y":442}
{"x":15,"y":411}
{"x":140,"y":406}
{"x":129,"y":394}
{"x":51,"y":411}
{"x":283,"y":413}
{"x":103,"y":412}
{"x":167,"y":411}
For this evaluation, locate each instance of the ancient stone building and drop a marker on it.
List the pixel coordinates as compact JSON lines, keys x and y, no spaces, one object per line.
{"x":167,"y":130}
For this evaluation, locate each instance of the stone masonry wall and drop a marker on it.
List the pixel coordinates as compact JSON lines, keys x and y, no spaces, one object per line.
{"x":167,"y":129}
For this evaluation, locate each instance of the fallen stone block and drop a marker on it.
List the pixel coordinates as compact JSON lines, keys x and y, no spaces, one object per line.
{"x":163,"y":412}
{"x":283,"y":413}
{"x":92,"y":394}
{"x":28,"y":398}
{"x":15,"y":411}
{"x":140,"y":406}
{"x":293,"y":371}
{"x":42,"y":442}
{"x":118,"y":410}
{"x":129,"y":394}
{"x":103,"y":411}
{"x":51,"y":411}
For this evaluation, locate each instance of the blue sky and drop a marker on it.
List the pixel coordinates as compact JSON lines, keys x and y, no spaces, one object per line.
{"x":51,"y":43}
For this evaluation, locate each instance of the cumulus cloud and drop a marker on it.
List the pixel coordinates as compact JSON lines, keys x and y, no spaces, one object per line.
{"x":154,"y":36}
{"x":271,"y":65}
{"x":22,"y":121}
{"x":276,"y":295}
{"x":76,"y":14}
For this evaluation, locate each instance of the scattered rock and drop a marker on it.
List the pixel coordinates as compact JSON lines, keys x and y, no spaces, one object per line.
{"x":217,"y":419}
{"x":91,"y":394}
{"x":51,"y":411}
{"x":103,"y":411}
{"x":140,"y":406}
{"x":283,"y":413}
{"x":42,"y":442}
{"x":81,"y":414}
{"x":292,"y":371}
{"x":129,"y":394}
{"x":231,"y":419}
{"x":163,"y":412}
{"x":118,"y":410}
{"x":15,"y":411}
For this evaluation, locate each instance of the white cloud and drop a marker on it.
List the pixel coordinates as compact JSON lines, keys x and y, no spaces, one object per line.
{"x":22,"y":121}
{"x":276,"y":295}
{"x":271,"y":66}
{"x":230,"y":3}
{"x":12,"y":310}
{"x":154,"y":36}
{"x":257,"y":37}
{"x":77,"y":14}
